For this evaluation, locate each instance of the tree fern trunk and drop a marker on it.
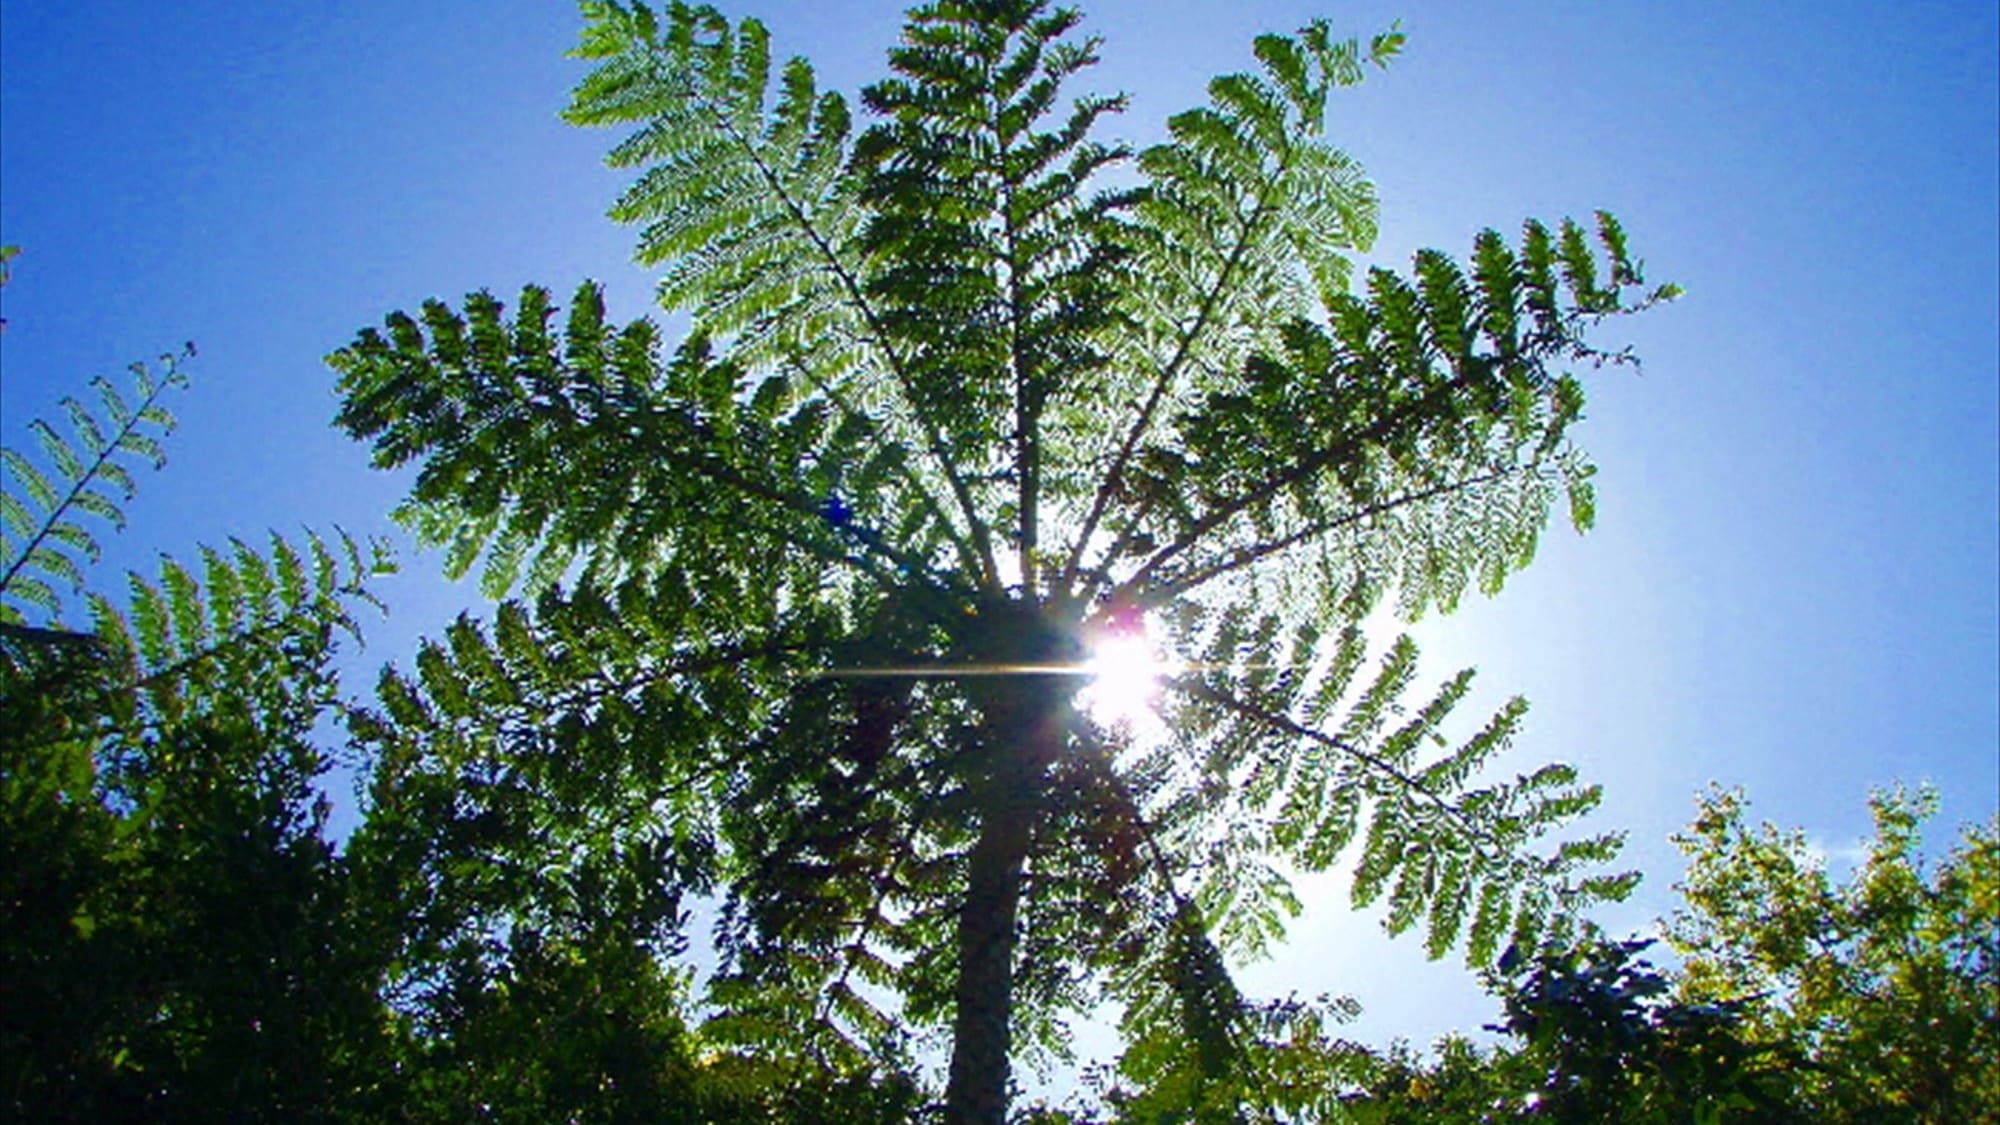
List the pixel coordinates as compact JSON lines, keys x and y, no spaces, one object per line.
{"x":1025,"y":738}
{"x":981,"y":1038}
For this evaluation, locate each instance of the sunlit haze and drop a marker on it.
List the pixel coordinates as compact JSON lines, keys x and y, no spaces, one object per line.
{"x":1124,"y":690}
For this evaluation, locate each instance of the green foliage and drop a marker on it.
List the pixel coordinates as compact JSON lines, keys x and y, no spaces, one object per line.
{"x":176,"y":934}
{"x":1890,"y":980}
{"x":44,"y":543}
{"x":1455,"y":1083}
{"x":1593,"y":1036}
{"x":809,"y":595}
{"x":1598,"y":1029}
{"x":178,"y":931}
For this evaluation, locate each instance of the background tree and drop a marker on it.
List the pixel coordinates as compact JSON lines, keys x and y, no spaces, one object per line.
{"x":955,"y":405}
{"x":1603,"y":1040}
{"x":1594,"y":1034}
{"x":174,"y":930}
{"x":1799,"y":998}
{"x":1889,"y":981}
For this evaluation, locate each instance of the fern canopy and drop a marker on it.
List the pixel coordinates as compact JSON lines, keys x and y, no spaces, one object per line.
{"x":803,"y":600}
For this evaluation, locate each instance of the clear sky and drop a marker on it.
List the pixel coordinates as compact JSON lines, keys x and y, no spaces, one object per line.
{"x":1795,"y":583}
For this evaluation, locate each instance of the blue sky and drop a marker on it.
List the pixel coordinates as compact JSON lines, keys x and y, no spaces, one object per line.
{"x":1795,"y":582}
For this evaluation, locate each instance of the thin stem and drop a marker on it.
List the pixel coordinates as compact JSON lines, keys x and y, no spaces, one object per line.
{"x":1230,"y":702}
{"x":1114,"y":475}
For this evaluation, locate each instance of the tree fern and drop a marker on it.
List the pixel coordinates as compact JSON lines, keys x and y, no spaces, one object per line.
{"x":845,"y":546}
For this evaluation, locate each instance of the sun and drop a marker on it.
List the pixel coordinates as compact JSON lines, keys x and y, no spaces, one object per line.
{"x":1125,"y":670}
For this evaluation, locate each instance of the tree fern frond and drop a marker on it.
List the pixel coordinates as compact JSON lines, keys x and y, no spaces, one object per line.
{"x":1432,"y":844}
{"x":620,"y":498}
{"x":759,"y":229}
{"x":44,"y":540}
{"x":1451,"y":379}
{"x":554,"y":717}
{"x":1241,"y":187}
{"x":185,"y":647}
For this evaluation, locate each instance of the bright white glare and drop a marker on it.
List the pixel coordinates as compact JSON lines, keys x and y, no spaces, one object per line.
{"x":1124,"y":689}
